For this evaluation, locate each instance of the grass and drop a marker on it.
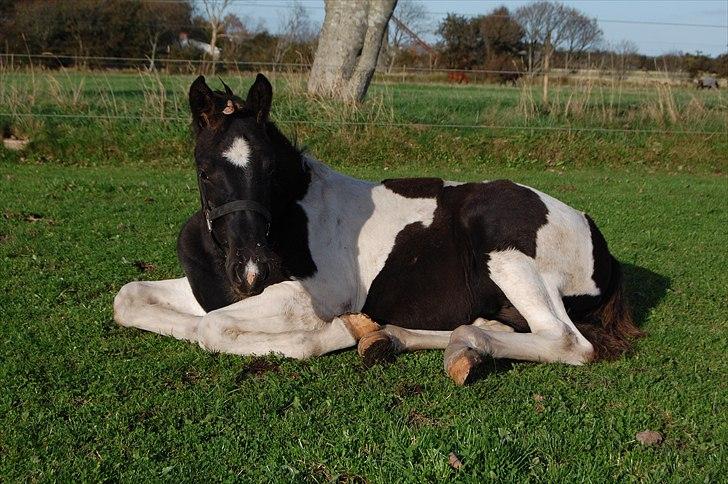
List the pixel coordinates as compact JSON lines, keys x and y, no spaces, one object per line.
{"x":83,"y":399}
{"x":527,"y":134}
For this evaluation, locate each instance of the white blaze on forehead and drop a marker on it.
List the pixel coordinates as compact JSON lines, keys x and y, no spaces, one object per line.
{"x":239,"y":153}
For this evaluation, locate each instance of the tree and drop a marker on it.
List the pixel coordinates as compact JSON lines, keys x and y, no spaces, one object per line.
{"x":580,"y":34}
{"x":624,"y":52}
{"x":162,"y":21}
{"x":462,"y":43}
{"x":295,"y":28}
{"x":501,"y":33}
{"x":503,"y":43}
{"x":412,"y":14}
{"x":549,"y":26}
{"x":348,"y":48}
{"x":215,"y":13}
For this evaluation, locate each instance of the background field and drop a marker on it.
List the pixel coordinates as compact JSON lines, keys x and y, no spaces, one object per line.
{"x":97,"y":202}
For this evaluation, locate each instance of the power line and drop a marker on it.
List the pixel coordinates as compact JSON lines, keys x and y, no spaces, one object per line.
{"x":287,"y":3}
{"x":384,"y":124}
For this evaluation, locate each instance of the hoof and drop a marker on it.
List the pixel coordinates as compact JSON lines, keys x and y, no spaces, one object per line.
{"x":376,"y":347}
{"x":359,"y":324}
{"x":465,"y":368}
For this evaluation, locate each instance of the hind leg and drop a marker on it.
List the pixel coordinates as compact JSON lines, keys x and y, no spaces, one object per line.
{"x":385,"y":344}
{"x":381,"y":344}
{"x":553,"y":336}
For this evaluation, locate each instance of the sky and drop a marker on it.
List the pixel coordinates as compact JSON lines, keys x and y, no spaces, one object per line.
{"x":650,"y":39}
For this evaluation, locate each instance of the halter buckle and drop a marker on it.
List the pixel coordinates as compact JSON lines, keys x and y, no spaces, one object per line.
{"x":208,"y":220}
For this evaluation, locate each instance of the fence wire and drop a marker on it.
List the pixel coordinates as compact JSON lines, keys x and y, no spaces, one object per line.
{"x":398,"y":70}
{"x":414,"y":125}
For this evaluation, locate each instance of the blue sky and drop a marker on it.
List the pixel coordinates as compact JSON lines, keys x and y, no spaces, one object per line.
{"x":651,"y":39}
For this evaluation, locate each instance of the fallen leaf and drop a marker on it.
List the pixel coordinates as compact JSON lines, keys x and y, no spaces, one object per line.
{"x":144,"y":266}
{"x":538,"y":398}
{"x":454,"y":461}
{"x":649,"y":437}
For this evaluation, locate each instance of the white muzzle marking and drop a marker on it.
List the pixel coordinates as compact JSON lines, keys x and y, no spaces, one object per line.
{"x":251,"y":272}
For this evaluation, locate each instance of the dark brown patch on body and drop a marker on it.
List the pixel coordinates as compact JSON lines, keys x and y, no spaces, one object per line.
{"x":436,"y":277}
{"x":415,"y":187}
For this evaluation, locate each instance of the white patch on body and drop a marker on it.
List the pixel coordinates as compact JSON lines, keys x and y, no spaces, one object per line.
{"x":564,"y":249}
{"x":352,"y":226}
{"x":448,"y":183}
{"x":238,"y":153}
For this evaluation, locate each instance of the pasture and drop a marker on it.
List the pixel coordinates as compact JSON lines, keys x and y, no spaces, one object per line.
{"x":96,"y":202}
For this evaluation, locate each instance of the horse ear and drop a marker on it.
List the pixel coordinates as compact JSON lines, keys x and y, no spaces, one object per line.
{"x":202,"y":103}
{"x":260,"y":97}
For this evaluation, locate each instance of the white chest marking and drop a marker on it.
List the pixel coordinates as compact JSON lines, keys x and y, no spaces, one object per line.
{"x":239,"y":153}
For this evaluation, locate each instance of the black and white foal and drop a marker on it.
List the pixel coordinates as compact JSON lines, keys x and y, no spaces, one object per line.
{"x":285,"y":249}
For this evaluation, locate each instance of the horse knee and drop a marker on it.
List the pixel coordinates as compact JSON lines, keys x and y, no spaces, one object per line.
{"x":472,"y":337}
{"x":210,"y":333}
{"x":571,"y":347}
{"x":124,"y":301}
{"x":579,"y":350}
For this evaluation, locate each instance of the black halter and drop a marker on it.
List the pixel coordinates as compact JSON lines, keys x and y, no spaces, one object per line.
{"x":213,"y":213}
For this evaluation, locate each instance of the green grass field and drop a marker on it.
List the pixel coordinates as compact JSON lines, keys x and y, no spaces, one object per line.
{"x":94,"y":204}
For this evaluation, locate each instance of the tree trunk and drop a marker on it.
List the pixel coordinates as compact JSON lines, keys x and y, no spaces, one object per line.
{"x":547,"y":50}
{"x":348,"y":48}
{"x":154,"y":43}
{"x":213,"y":41}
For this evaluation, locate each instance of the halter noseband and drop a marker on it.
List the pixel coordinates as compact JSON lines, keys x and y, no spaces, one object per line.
{"x":213,"y":213}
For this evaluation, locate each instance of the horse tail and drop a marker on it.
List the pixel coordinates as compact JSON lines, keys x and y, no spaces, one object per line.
{"x":610,"y":328}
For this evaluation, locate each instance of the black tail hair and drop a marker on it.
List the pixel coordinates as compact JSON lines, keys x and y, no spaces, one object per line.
{"x":611,"y":328}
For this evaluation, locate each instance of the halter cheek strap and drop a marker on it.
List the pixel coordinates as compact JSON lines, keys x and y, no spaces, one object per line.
{"x":213,"y":213}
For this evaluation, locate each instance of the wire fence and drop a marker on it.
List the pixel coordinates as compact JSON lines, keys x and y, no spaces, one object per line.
{"x":243,"y":65}
{"x":141,"y":63}
{"x":413,"y":125}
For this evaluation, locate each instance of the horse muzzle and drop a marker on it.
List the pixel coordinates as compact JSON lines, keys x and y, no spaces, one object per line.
{"x":249,"y":275}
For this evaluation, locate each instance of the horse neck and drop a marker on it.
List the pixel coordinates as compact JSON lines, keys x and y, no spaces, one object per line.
{"x":291,"y":177}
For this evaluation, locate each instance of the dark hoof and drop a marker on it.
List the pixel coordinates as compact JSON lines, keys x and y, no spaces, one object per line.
{"x":376,"y":348}
{"x":466,"y":368}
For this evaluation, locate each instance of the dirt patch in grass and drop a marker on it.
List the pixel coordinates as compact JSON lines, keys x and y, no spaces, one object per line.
{"x":258,"y":367}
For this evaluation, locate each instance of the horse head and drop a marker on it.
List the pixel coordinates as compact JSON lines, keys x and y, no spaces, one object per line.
{"x":235,"y":156}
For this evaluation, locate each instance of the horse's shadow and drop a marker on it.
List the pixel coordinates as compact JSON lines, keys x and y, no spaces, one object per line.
{"x":644,"y":290}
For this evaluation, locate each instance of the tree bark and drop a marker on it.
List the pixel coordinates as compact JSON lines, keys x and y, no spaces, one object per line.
{"x":547,"y":51}
{"x":349,"y":45}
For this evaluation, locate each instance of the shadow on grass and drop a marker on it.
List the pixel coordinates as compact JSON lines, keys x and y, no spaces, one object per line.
{"x":645,"y":289}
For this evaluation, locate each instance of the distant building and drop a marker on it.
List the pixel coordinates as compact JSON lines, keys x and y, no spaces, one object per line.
{"x":185,"y":42}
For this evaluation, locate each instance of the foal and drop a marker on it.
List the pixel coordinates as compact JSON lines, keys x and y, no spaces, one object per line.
{"x":284,"y":248}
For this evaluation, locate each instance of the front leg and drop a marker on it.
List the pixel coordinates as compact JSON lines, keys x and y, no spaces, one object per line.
{"x":279,"y":320}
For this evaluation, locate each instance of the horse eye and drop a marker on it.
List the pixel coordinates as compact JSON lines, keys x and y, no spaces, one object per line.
{"x":203,"y":175}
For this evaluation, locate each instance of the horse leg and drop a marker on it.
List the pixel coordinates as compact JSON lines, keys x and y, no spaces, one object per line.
{"x":383,"y":344}
{"x":553,"y":337}
{"x":165,"y":307}
{"x":279,"y":320}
